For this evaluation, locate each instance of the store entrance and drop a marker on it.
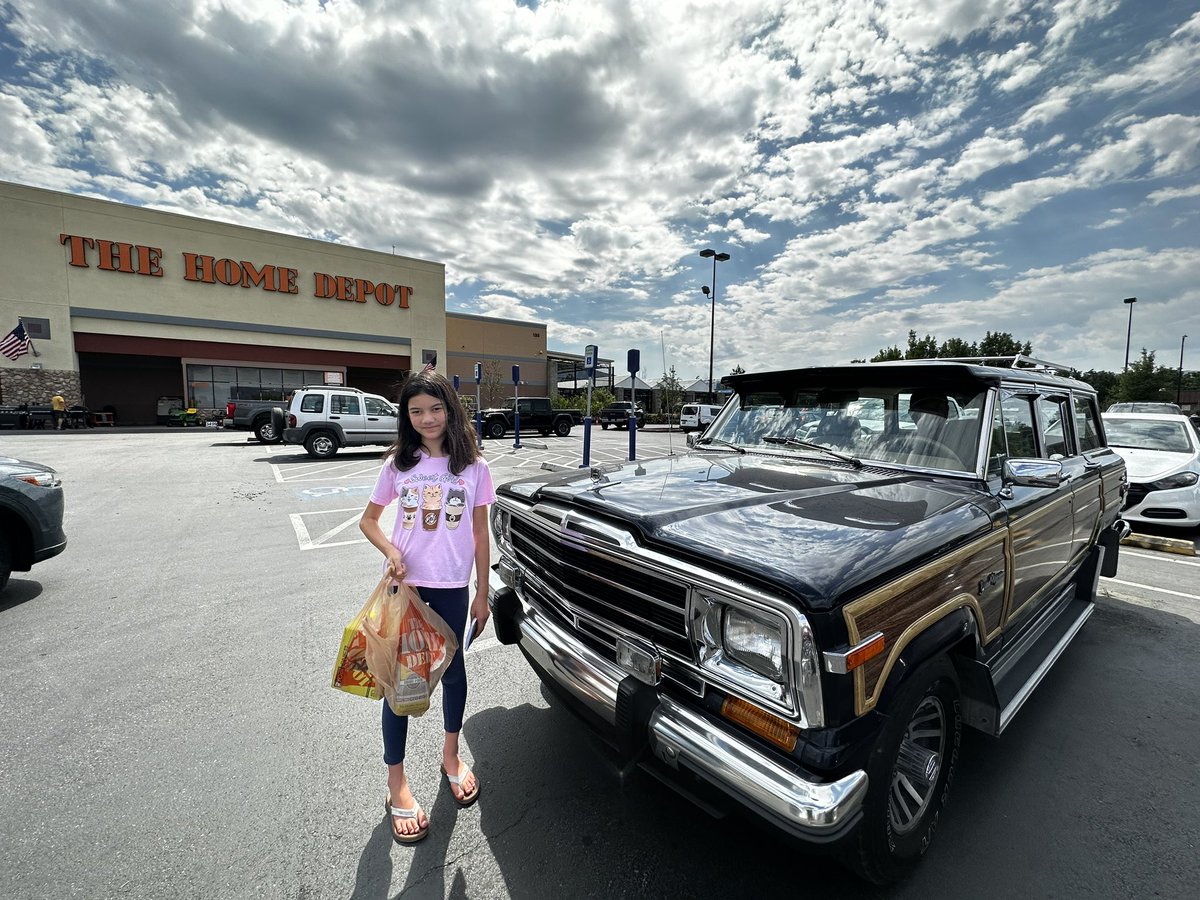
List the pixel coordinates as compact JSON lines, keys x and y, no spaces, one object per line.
{"x":128,"y":386}
{"x":384,"y":382}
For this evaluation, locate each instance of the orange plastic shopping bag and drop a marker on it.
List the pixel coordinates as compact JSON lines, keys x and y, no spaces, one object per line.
{"x":408,"y":647}
{"x":350,"y":673}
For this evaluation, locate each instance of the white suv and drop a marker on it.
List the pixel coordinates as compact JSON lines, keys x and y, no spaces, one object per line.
{"x":325,"y":419}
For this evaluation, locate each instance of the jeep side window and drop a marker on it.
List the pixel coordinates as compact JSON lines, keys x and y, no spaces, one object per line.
{"x":313,"y":403}
{"x":344,"y":404}
{"x":998,"y":451}
{"x":376,"y":408}
{"x":1087,"y":424}
{"x":1054,"y":414}
{"x":1018,"y":427}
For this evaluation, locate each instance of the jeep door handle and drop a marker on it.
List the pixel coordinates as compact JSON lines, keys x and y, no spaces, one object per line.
{"x":335,"y":417}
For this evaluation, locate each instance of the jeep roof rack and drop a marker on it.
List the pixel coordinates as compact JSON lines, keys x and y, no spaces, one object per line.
{"x":340,"y":387}
{"x":1013,"y":361}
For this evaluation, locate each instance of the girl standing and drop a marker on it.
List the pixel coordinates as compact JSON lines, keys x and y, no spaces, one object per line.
{"x":441,"y":531}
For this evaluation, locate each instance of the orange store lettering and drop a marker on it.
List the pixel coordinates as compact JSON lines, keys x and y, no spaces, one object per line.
{"x":137,"y":259}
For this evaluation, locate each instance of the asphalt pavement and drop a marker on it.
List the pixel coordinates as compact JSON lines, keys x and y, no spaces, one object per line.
{"x":170,"y":730}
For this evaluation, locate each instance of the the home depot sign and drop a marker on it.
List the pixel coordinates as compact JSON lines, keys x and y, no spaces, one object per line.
{"x":137,"y":259}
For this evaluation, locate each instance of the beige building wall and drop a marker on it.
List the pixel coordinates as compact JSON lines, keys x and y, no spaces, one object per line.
{"x":117,"y":279}
{"x":497,"y":345}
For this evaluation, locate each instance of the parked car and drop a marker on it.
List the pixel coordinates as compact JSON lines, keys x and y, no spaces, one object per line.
{"x":696,"y":416}
{"x":537,"y":414}
{"x":31,"y":516}
{"x":1162,"y":455}
{"x":325,"y":419}
{"x":618,"y":415}
{"x":1142,"y":406}
{"x":802,"y":627}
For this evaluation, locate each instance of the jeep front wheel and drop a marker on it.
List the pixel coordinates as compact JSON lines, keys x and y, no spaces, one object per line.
{"x":495,"y":430}
{"x":562,"y":427}
{"x":321,"y":445}
{"x":910,"y":771}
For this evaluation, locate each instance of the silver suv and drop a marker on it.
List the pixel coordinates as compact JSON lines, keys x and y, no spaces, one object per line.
{"x":325,"y":419}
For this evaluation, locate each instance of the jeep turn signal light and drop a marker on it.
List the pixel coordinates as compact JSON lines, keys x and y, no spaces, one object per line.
{"x":863,"y":652}
{"x":772,"y":728}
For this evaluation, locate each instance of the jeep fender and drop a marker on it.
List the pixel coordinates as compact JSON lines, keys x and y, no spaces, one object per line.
{"x":957,"y":628}
{"x":332,"y":427}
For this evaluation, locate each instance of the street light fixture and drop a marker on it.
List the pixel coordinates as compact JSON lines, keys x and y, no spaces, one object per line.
{"x":1129,"y":301}
{"x":712,"y":328}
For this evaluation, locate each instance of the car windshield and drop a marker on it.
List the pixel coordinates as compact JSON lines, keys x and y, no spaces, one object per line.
{"x":906,"y":425}
{"x":1148,"y":434}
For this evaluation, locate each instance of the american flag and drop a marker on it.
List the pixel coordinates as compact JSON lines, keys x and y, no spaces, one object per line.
{"x":430,"y":366}
{"x":15,"y":343}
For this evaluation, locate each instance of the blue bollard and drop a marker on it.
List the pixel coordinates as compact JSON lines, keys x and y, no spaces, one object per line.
{"x":479,"y":429}
{"x":517,"y":428}
{"x":587,"y":441}
{"x":632,"y":438}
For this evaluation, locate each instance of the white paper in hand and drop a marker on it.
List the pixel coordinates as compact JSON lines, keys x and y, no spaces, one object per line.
{"x":470,"y":635}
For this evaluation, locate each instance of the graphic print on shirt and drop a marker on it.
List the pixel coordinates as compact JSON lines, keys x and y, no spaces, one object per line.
{"x":456,"y":502}
{"x":431,"y":506}
{"x":409,"y":500}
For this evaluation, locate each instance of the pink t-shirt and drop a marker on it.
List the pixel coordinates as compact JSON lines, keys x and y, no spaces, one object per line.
{"x":433,"y":524}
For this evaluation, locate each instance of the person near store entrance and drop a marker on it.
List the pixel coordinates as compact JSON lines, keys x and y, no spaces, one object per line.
{"x":444,"y":487}
{"x":58,"y":404}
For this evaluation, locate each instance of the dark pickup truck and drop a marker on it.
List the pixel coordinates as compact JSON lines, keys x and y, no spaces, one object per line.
{"x":802,"y":614}
{"x":255,"y":415}
{"x":537,"y":414}
{"x":618,"y":415}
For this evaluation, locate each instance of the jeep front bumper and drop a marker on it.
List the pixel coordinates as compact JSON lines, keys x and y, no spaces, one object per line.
{"x":681,"y":737}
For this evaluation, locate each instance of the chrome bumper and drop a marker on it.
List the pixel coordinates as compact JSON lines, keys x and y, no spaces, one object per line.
{"x":686,"y":739}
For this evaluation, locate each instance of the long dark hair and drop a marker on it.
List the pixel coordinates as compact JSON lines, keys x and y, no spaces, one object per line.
{"x":459,"y":439}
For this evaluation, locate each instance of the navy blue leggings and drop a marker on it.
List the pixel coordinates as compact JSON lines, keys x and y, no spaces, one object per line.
{"x":451,"y":605}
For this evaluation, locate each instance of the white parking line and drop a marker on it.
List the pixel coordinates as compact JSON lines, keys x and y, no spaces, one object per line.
{"x":325,"y":539}
{"x":355,"y":468}
{"x":1160,"y":557}
{"x":1150,"y":587}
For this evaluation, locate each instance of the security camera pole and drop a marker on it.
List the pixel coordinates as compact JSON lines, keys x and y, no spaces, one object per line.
{"x":634,"y":364}
{"x":590,"y":353}
{"x":516,"y":373}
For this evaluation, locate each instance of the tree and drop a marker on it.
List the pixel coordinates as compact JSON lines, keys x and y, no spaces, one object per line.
{"x":925,"y":348}
{"x":1001,"y":343}
{"x":671,"y":392}
{"x":891,"y":354}
{"x":491,"y":385}
{"x":1145,"y":381}
{"x":1105,"y":384}
{"x":956,"y":347}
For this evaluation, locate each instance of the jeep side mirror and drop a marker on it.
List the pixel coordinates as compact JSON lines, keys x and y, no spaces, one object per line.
{"x":1033,"y":473}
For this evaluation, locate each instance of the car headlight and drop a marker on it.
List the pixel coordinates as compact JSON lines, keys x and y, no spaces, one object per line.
{"x":32,"y":476}
{"x":1178,"y":480}
{"x":754,"y":642}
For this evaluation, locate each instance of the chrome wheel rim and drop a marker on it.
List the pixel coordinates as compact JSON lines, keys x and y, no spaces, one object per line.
{"x":323,"y":445}
{"x":918,"y":764}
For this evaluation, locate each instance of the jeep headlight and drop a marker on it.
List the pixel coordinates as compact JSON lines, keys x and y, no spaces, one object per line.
{"x":754,"y":642}
{"x":501,"y":527}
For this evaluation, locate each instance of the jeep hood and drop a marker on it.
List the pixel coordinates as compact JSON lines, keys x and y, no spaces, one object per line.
{"x":818,"y":532}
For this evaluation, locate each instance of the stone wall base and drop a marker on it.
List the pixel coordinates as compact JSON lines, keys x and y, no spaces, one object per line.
{"x":37,"y":386}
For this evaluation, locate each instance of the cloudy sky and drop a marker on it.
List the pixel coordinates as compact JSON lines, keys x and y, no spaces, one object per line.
{"x":870,"y":166}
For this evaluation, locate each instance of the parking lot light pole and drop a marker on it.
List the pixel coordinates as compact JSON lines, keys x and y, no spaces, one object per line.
{"x":1129,"y":301}
{"x":712,"y":328}
{"x":1179,"y":383}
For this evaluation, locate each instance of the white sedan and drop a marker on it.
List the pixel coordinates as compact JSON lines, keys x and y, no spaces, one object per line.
{"x":1162,"y":457}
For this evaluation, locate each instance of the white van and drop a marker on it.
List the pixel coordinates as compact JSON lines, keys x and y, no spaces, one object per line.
{"x":696,"y":416}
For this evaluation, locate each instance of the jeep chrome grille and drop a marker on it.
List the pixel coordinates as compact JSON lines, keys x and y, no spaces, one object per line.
{"x":598,"y":591}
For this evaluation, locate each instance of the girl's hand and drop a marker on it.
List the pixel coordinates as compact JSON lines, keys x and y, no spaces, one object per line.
{"x":480,"y":613}
{"x":395,"y":567}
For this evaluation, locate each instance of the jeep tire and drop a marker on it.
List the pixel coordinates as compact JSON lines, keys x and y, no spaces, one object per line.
{"x":321,"y":444}
{"x":910,"y":770}
{"x":604,"y":425}
{"x":6,"y":560}
{"x":562,"y":427}
{"x":494,"y":429}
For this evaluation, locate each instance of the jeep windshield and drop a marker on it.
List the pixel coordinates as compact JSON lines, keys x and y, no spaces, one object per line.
{"x":910,"y":423}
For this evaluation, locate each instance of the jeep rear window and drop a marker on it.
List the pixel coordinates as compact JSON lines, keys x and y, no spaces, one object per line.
{"x":313,"y":403}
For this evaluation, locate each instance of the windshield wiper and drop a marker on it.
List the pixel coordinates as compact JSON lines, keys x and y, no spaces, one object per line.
{"x":809,"y":445}
{"x":721,"y":443}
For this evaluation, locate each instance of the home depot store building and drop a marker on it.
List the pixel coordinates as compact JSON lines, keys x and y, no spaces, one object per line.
{"x":126,"y":305}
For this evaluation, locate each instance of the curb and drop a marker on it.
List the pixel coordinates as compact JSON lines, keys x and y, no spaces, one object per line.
{"x":1165,"y":544}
